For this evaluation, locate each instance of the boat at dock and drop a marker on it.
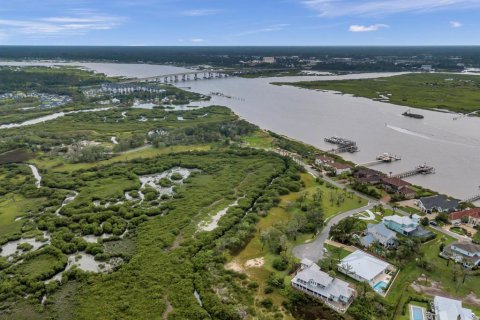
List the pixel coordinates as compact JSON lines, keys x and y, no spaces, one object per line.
{"x":387,"y":157}
{"x":344,"y":145}
{"x":412,"y":115}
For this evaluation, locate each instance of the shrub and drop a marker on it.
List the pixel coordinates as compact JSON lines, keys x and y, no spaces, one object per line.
{"x":266,"y":303}
{"x":280,"y":264}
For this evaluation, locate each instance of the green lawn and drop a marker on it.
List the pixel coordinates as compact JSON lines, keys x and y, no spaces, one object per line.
{"x":340,"y":253}
{"x":13,"y":206}
{"x":458,"y":230}
{"x":259,"y":139}
{"x":458,"y":93}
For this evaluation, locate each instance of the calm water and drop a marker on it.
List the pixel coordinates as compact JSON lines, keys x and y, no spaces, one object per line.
{"x":452,"y":147}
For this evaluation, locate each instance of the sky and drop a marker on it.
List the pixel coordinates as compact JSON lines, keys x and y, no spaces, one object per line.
{"x":239,"y":22}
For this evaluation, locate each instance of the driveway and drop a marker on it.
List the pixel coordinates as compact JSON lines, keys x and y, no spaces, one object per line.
{"x":452,"y":234}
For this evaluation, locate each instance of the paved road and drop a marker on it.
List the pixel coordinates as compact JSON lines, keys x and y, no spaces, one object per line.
{"x":314,"y":250}
{"x":453,"y":234}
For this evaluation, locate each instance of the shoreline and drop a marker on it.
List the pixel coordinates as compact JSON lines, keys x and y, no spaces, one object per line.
{"x":432,"y":184}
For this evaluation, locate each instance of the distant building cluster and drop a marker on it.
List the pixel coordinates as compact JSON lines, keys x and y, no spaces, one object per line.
{"x":121,"y":89}
{"x":46,"y":100}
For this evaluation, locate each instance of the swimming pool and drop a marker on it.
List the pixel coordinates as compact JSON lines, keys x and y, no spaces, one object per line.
{"x":416,"y":313}
{"x":380,"y":286}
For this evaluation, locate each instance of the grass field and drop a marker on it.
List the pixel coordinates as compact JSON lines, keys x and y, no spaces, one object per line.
{"x":457,"y":93}
{"x":59,"y":164}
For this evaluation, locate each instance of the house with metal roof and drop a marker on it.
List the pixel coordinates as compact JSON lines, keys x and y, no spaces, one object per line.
{"x":449,"y":309}
{"x":336,"y":293}
{"x":466,"y":253}
{"x":438,"y":203}
{"x":402,"y":224}
{"x":364,"y":267}
{"x":380,"y":233}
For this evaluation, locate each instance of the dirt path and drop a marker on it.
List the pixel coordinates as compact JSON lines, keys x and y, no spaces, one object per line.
{"x":341,"y":245}
{"x":168,"y":310}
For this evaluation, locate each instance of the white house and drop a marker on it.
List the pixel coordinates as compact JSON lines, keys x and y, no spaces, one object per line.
{"x":463,"y":252}
{"x":334,"y":292}
{"x":364,"y":267}
{"x":449,"y":309}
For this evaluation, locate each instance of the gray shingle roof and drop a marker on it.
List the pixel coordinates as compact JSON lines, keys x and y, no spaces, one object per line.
{"x":441,"y":201}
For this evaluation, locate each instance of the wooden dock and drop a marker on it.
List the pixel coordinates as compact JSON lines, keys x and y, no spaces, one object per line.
{"x":383,"y":158}
{"x":423,"y":169}
{"x":344,"y":145}
{"x":472,"y":199}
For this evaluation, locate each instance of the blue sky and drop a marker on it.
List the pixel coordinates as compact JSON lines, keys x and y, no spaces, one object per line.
{"x":239,"y":22}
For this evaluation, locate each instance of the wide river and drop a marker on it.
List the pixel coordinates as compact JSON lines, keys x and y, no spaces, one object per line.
{"x":451,"y":146}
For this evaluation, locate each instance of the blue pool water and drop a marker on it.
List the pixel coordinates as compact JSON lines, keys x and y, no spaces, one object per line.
{"x":380,"y":286}
{"x":417,"y":313}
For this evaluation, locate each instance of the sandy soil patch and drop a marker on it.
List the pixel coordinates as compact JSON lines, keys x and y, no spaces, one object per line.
{"x":252,"y":263}
{"x":255,"y":263}
{"x":433,"y":288}
{"x":235,"y":266}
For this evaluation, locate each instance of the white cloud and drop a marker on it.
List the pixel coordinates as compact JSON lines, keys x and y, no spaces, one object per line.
{"x":60,"y":26}
{"x":456,"y":24}
{"x":335,"y":8}
{"x":197,"y":40}
{"x":275,"y":27}
{"x":200,"y":12}
{"x":373,"y":27}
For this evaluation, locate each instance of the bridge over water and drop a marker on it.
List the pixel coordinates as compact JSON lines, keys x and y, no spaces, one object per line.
{"x":194,"y":75}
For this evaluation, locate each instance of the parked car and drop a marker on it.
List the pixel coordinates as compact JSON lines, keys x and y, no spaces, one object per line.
{"x":433,"y":223}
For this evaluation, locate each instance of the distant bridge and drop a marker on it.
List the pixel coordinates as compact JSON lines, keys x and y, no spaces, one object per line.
{"x":199,"y":75}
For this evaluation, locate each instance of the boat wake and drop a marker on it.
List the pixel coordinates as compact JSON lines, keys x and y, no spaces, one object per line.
{"x":409,"y":132}
{"x":431,"y":138}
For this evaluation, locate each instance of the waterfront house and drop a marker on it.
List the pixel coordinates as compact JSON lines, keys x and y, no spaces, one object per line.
{"x":340,"y":168}
{"x":394,"y":184}
{"x":330,"y":163}
{"x":366,"y":175}
{"x":438,"y":203}
{"x":336,"y":293}
{"x":398,"y":186}
{"x":466,"y":253}
{"x":407,"y":193}
{"x":364,"y":267}
{"x":324,"y":160}
{"x":380,"y":233}
{"x":402,"y":224}
{"x":449,"y":309}
{"x":470,"y":216}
